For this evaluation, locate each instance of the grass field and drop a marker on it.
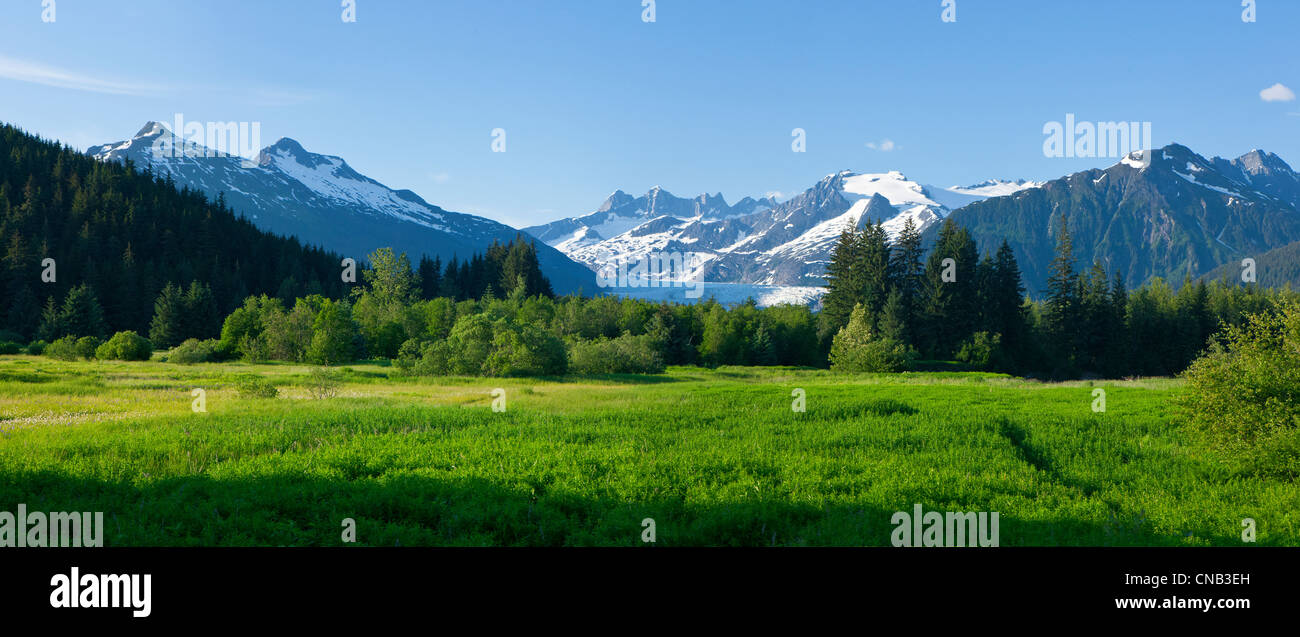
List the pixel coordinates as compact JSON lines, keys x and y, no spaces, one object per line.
{"x":715,"y":457}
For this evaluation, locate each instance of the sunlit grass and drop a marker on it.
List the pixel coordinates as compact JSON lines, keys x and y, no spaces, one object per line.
{"x":716,"y":457}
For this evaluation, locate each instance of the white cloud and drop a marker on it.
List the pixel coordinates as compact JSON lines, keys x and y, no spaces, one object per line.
{"x":36,"y":73}
{"x":774,"y":194}
{"x":441,"y":178}
{"x":884,"y":146}
{"x":1277,"y":93}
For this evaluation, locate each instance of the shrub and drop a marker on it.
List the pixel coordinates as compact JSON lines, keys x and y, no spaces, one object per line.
{"x":323,"y":383}
{"x":854,"y":349}
{"x":8,"y":347}
{"x":254,"y":386}
{"x":626,"y":354}
{"x":1243,"y":398}
{"x":983,"y":351}
{"x":525,"y":351}
{"x":64,"y":349}
{"x":125,"y":346}
{"x":86,"y":346}
{"x":36,"y":348}
{"x":195,"y":351}
{"x":408,"y":356}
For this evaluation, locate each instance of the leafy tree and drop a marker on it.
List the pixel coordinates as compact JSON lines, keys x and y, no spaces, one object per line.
{"x":1243,"y":397}
{"x":856,"y":348}
{"x":334,"y":335}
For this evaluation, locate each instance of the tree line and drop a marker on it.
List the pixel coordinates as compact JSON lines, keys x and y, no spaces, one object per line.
{"x":954,"y":305}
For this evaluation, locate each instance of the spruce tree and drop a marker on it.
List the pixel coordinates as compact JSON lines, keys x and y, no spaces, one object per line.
{"x":167,"y":329}
{"x":1061,"y":311}
{"x":843,"y":285}
{"x":81,"y":314}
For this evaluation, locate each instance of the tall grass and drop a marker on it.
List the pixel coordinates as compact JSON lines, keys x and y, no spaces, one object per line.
{"x":715,"y":457}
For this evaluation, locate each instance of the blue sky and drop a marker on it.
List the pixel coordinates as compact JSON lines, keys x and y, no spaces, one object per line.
{"x":593,"y":99}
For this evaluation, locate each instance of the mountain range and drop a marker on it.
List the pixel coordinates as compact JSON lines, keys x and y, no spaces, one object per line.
{"x":757,"y":241}
{"x":323,"y":201}
{"x":1177,"y":215}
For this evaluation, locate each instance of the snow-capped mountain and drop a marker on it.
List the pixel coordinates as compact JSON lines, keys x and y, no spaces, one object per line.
{"x":322,"y":200}
{"x":757,"y":241}
{"x":1174,"y":214}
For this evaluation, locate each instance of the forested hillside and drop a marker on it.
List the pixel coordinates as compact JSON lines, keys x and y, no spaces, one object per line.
{"x":119,"y":237}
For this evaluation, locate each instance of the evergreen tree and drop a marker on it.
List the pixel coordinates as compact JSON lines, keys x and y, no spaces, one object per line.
{"x":1061,"y":312}
{"x":893,"y":319}
{"x":81,"y":314}
{"x":908,"y":274}
{"x":951,"y":311}
{"x":167,"y":329}
{"x":843,"y":285}
{"x":430,"y":277}
{"x":51,"y":326}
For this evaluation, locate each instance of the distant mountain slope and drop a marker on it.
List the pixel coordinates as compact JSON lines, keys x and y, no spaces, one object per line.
{"x":1181,"y":215}
{"x":322,"y":200}
{"x":1276,"y":268}
{"x":756,"y":241}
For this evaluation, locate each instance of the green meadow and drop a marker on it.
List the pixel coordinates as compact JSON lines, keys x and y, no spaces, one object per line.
{"x":714,"y":457}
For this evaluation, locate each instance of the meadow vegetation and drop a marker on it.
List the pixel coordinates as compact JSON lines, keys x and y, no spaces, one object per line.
{"x":714,"y":456}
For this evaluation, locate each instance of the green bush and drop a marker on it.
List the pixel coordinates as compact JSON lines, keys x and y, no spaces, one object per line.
{"x":1243,"y":394}
{"x":125,"y":346}
{"x":36,"y":348}
{"x":64,"y":349}
{"x":195,"y":351}
{"x":983,"y":351}
{"x":623,"y":355}
{"x":855,"y":349}
{"x":86,"y":346}
{"x":525,"y":351}
{"x":408,"y":356}
{"x":8,"y":347}
{"x":254,"y":386}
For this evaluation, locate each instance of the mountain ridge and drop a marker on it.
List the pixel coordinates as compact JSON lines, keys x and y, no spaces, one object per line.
{"x":322,"y":200}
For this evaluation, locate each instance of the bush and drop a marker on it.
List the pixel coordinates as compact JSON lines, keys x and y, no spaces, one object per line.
{"x":525,"y":351}
{"x":8,"y":347}
{"x":854,"y":349}
{"x":626,"y":354}
{"x":1243,"y":398}
{"x":195,"y":351}
{"x":7,"y":336}
{"x":36,"y":348}
{"x":254,"y":386}
{"x":86,"y":346}
{"x":408,"y":356}
{"x":983,"y":351}
{"x":125,"y":346}
{"x":323,"y":383}
{"x":64,"y":349}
